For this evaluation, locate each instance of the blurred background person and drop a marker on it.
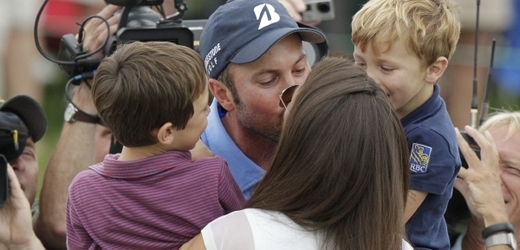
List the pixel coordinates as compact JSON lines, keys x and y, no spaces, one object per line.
{"x":20,"y":59}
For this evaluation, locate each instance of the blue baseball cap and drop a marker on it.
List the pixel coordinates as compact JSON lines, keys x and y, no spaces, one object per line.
{"x":241,"y":31}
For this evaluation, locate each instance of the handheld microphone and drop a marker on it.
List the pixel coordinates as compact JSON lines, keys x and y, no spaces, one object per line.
{"x":485,"y":103}
{"x":130,"y":3}
{"x":474,"y":100}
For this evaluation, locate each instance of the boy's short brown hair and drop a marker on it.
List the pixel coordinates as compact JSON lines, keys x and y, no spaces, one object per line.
{"x":142,"y":86}
{"x":429,"y":28}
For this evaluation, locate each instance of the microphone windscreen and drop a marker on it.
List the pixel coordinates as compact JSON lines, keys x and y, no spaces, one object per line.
{"x":123,"y":2}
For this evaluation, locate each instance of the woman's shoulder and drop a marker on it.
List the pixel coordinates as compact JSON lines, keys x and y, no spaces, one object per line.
{"x":241,"y":217}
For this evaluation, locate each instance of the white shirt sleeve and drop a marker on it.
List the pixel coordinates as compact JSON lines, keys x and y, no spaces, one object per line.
{"x":234,"y":232}
{"x":407,"y":246}
{"x":229,"y":232}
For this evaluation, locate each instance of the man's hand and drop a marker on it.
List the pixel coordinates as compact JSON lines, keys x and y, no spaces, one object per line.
{"x":15,"y":217}
{"x":480,"y":183}
{"x":96,"y":30}
{"x":82,"y":98}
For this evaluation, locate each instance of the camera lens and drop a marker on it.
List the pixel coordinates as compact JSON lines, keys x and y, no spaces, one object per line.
{"x":323,"y":7}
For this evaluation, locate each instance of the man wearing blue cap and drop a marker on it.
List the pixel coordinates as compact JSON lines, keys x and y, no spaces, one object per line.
{"x":252,"y":51}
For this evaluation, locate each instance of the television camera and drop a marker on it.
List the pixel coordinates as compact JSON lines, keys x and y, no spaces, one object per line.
{"x":138,"y":23}
{"x":13,"y":136}
{"x":318,"y":10}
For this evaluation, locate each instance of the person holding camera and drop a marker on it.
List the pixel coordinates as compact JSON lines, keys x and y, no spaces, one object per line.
{"x":491,"y":186}
{"x":22,"y":124}
{"x":83,"y":142}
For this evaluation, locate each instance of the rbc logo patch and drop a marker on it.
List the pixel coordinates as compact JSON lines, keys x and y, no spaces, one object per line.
{"x":419,"y":158}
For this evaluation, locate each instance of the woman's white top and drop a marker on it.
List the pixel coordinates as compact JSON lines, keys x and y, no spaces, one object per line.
{"x":256,"y":229}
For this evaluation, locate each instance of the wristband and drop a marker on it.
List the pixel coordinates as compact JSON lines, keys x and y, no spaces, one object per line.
{"x":499,"y":227}
{"x":73,"y":114}
{"x":507,"y":239}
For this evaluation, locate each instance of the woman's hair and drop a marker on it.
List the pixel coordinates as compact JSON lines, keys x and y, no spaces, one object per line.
{"x":341,"y":167}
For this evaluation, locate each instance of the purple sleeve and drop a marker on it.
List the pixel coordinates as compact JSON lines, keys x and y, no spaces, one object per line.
{"x":77,"y":236}
{"x":230,"y":195}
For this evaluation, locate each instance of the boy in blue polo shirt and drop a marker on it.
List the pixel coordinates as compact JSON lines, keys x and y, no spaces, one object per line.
{"x":405,"y":47}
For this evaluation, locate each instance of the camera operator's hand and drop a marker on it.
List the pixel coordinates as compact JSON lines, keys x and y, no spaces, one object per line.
{"x":295,"y":8}
{"x":82,"y":98}
{"x":480,"y":183}
{"x":16,"y":230}
{"x":96,"y":30}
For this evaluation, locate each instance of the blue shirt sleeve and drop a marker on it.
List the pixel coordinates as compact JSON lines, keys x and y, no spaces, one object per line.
{"x":434,"y":161}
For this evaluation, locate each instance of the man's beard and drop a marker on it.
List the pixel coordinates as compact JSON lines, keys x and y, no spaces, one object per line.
{"x":249,"y":120}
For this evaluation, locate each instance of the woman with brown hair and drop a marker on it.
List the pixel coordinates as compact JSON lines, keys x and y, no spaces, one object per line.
{"x":339,"y":176}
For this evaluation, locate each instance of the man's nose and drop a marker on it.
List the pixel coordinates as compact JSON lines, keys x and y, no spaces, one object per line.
{"x":290,"y":81}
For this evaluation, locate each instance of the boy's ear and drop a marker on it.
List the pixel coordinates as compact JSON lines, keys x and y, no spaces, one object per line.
{"x":222,"y":93}
{"x":165,"y":134}
{"x":436,"y":69}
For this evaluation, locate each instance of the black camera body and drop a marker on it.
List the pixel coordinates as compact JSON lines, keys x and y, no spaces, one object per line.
{"x":457,"y":211}
{"x":472,"y":144}
{"x":13,"y":136}
{"x":4,"y":181}
{"x":71,"y":50}
{"x":138,"y":23}
{"x":318,"y":10}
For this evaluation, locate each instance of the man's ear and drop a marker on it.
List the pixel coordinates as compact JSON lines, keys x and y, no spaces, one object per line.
{"x":436,"y":69}
{"x":222,"y":93}
{"x":165,"y":134}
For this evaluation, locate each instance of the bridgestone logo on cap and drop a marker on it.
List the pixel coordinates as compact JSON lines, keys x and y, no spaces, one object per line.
{"x":266,"y":14}
{"x":210,"y":61}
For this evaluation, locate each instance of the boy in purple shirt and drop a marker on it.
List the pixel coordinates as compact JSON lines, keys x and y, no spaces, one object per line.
{"x":154,"y":98}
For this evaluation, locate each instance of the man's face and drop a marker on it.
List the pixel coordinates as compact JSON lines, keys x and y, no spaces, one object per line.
{"x":510,"y":170}
{"x":260,"y":83}
{"x":26,"y":169}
